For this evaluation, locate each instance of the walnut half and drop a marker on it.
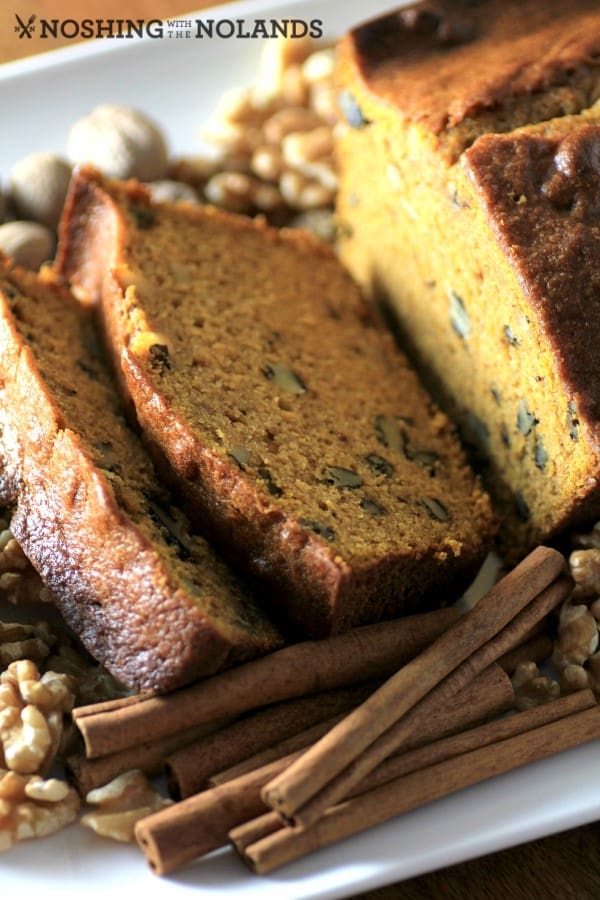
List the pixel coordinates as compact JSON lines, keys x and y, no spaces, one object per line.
{"x":531,"y":687}
{"x":32,"y":807}
{"x":577,"y":638}
{"x":120,"y":804}
{"x":32,"y":708}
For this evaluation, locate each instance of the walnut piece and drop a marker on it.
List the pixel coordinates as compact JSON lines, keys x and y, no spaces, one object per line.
{"x":585,"y":569}
{"x":19,"y":582}
{"x":531,"y":687}
{"x":12,"y":558}
{"x":576,"y":657}
{"x":121,"y":803}
{"x":577,"y":638}
{"x":32,"y":708}
{"x":53,"y":650}
{"x":21,"y":642}
{"x":271,"y":144}
{"x":33,"y":807}
{"x":574,"y":678}
{"x":241,"y":193}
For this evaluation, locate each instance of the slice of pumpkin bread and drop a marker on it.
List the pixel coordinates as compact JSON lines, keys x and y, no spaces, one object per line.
{"x":301,"y":439}
{"x":149,"y":599}
{"x":482,"y":232}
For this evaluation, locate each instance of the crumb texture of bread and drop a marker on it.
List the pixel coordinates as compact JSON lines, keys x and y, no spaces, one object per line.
{"x":299,"y":436}
{"x":474,"y":218}
{"x":148,"y":597}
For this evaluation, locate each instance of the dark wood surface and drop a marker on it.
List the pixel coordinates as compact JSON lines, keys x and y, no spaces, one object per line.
{"x":562,"y":867}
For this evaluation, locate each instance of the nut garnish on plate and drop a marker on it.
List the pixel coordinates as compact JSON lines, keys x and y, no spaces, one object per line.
{"x":271,"y":144}
{"x":531,"y":687}
{"x":32,"y":708}
{"x":120,"y":804}
{"x":33,"y":807}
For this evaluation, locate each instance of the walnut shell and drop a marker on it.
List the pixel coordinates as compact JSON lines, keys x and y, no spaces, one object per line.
{"x":28,"y":243}
{"x":38,"y":187}
{"x":121,"y":142}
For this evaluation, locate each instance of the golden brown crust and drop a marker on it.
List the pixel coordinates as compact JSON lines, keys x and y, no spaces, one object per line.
{"x":328,"y":566}
{"x":541,"y":193}
{"x":441,"y":61}
{"x":120,"y":596}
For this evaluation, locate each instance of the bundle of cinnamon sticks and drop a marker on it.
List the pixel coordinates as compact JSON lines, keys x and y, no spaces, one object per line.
{"x":323,"y":746}
{"x":277,"y":695}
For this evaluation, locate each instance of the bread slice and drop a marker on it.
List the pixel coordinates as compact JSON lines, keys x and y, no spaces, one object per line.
{"x":299,"y":436}
{"x":149,"y":599}
{"x":481,"y":232}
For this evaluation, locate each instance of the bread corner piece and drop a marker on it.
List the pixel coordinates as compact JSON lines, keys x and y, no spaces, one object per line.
{"x":148,"y":598}
{"x":299,"y":437}
{"x":470,"y":206}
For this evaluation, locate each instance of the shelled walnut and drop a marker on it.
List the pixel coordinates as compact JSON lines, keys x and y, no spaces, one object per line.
{"x":585,"y":569}
{"x":22,"y":641}
{"x":576,"y":657}
{"x":19,"y":582}
{"x":32,"y":807}
{"x":120,"y":804}
{"x":531,"y":687}
{"x":32,"y":708}
{"x":54,"y":650}
{"x":271,"y":144}
{"x":577,"y":638}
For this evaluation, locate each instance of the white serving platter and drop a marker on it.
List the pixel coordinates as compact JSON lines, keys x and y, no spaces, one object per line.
{"x":177,"y":81}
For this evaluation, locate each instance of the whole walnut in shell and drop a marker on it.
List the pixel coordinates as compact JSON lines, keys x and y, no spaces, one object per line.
{"x":29,"y":244}
{"x":38,"y":187}
{"x":121,"y":142}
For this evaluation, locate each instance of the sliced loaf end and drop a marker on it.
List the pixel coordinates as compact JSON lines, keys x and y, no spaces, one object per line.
{"x":148,"y":598}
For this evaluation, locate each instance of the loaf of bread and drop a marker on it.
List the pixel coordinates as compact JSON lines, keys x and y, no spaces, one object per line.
{"x":300,"y":438}
{"x":149,"y":599}
{"x":469,"y":206}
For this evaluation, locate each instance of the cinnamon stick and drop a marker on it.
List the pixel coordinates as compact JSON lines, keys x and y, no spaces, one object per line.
{"x":111,"y":705}
{"x":373,"y":651}
{"x":392,"y":740}
{"x":278,"y":847}
{"x":189,"y":767}
{"x":149,"y":756}
{"x":201,"y":823}
{"x":487,"y":696}
{"x":295,"y":744}
{"x":428,"y":754}
{"x":397,"y":736}
{"x":339,"y":760}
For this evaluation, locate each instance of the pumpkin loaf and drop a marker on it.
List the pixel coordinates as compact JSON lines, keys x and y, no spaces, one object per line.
{"x":149,"y":599}
{"x":300,"y":438}
{"x":469,"y":206}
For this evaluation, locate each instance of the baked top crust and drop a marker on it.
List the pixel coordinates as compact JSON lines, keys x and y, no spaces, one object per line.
{"x":441,"y":62}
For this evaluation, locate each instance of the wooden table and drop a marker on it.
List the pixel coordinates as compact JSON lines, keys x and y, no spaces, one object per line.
{"x":563,"y":867}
